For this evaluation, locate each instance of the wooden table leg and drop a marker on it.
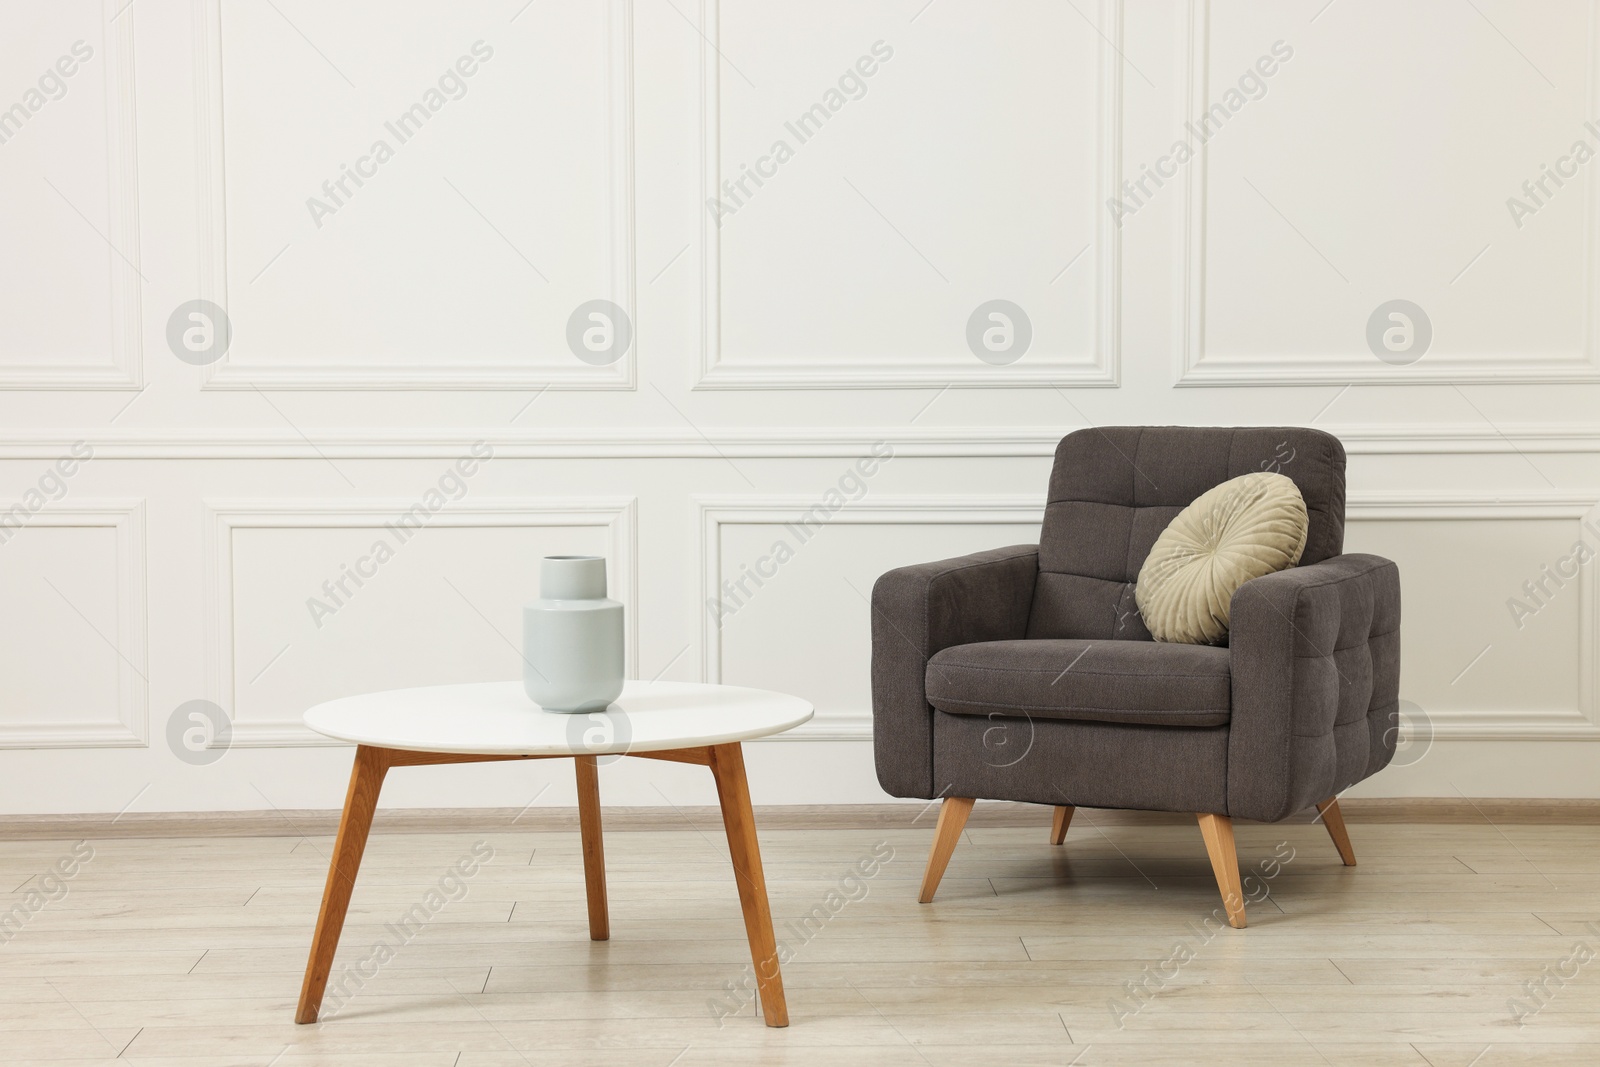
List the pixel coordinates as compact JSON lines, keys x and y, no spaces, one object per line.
{"x":594,"y":853}
{"x":366,"y":779}
{"x":727,"y":766}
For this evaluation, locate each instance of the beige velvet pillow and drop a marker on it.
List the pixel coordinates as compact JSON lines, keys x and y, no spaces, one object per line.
{"x":1246,"y":527}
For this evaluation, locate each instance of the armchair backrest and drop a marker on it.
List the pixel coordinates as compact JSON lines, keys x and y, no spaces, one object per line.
{"x":1114,"y":489}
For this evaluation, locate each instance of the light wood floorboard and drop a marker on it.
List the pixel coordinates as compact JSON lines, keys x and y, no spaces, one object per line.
{"x":190,"y":951}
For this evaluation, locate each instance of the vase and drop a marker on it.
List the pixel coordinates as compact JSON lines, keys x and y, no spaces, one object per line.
{"x":572,"y":637}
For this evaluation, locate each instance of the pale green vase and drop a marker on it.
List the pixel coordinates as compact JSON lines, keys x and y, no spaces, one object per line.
{"x":572,"y":637}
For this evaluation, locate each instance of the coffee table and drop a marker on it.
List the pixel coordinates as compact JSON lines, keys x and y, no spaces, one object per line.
{"x":684,"y":722}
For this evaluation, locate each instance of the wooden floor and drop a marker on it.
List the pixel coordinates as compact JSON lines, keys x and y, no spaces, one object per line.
{"x":189,"y":951}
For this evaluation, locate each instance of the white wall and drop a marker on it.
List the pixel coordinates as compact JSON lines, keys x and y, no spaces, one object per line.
{"x":373,"y":344}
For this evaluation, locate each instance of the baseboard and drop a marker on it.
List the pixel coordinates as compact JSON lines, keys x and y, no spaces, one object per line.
{"x":315,"y":823}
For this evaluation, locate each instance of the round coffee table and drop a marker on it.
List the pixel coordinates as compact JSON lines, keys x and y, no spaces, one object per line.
{"x":684,"y":722}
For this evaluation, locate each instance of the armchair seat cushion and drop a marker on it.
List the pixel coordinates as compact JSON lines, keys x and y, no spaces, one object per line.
{"x":1102,"y":681}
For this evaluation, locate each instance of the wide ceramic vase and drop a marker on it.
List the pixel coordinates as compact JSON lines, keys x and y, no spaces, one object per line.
{"x":572,"y":637}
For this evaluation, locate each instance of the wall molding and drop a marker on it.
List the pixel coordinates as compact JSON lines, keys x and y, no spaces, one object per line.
{"x":1581,"y":723}
{"x":1198,"y":367}
{"x":130,"y":728}
{"x":716,"y":372}
{"x":619,"y":515}
{"x":713,"y":512}
{"x":910,"y":814}
{"x":793,"y":442}
{"x":226,"y":374}
{"x":126,"y":367}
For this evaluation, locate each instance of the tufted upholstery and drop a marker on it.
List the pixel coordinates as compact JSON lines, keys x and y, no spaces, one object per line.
{"x":1114,"y":489}
{"x":1313,"y":663}
{"x":1316,"y":682}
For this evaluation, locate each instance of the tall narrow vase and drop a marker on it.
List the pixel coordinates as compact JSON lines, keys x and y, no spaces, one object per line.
{"x":572,"y":637}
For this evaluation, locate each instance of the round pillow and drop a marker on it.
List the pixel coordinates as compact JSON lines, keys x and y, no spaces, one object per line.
{"x":1246,"y":527}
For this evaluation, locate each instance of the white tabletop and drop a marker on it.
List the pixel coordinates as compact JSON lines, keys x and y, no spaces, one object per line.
{"x":498,"y":718}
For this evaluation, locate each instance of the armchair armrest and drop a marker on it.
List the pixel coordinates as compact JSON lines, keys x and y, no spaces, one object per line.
{"x":916,"y":612}
{"x":1315,"y":656}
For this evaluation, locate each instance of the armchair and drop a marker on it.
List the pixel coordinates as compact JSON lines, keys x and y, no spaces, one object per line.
{"x":1044,"y":642}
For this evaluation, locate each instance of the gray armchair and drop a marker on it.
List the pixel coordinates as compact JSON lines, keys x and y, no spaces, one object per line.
{"x":1026,"y":673}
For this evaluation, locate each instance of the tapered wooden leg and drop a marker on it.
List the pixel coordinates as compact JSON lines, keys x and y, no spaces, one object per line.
{"x":727,"y":766}
{"x":952,"y":820}
{"x":1333,"y":819}
{"x":1218,"y":832}
{"x":1059,"y":824}
{"x":594,"y":852}
{"x":366,"y":779}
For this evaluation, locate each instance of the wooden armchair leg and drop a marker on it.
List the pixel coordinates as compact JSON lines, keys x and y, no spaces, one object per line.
{"x":1059,"y":824}
{"x":1218,"y":832}
{"x":1333,"y":819}
{"x":952,"y":820}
